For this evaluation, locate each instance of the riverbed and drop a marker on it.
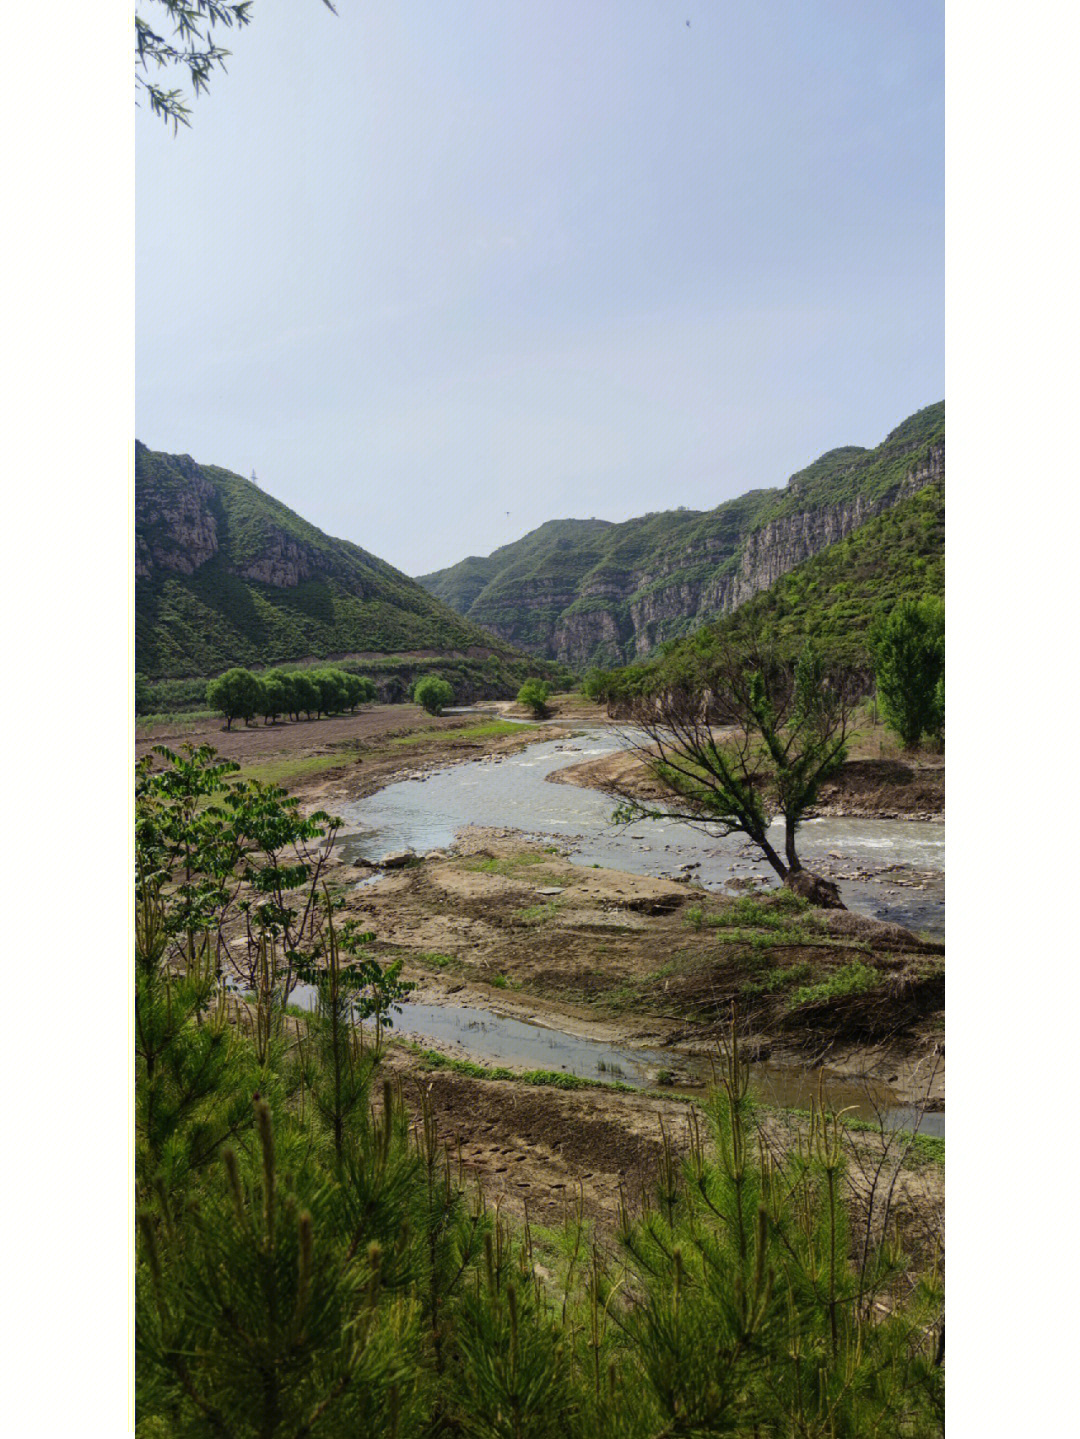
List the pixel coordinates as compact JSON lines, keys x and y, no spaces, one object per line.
{"x":888,"y":869}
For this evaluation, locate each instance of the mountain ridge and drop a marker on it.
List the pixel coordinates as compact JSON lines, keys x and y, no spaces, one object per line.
{"x":608,"y":592}
{"x":227,"y":574}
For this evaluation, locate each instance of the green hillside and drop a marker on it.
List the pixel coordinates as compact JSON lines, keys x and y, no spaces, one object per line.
{"x":587,"y":591}
{"x":228,"y":575}
{"x":835,"y":597}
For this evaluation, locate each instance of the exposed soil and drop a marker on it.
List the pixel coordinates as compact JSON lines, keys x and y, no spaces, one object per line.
{"x":345,"y":757}
{"x":543,"y":1151}
{"x":878,"y":788}
{"x":622,"y":957}
{"x":635,"y":959}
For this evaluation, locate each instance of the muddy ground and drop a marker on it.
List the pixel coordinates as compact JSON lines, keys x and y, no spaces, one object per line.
{"x":513,"y":926}
{"x":545,"y":1153}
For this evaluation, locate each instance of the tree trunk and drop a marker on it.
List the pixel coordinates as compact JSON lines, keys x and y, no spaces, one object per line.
{"x":789,"y":844}
{"x":771,"y":855}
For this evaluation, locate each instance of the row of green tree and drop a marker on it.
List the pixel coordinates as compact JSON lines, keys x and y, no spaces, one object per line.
{"x":239,"y":694}
{"x":312,"y":1261}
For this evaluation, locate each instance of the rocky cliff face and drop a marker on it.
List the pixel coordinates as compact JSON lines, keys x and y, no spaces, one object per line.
{"x":283,"y":562}
{"x":175,"y":527}
{"x":180,"y":525}
{"x":620,"y":616}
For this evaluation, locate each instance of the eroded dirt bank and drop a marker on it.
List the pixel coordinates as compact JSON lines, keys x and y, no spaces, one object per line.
{"x":512,"y":926}
{"x":878,"y":788}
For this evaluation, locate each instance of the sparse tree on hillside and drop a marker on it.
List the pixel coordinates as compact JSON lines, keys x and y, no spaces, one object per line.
{"x":735,"y":737}
{"x":237,"y":694}
{"x":433,"y":693}
{"x":909,"y":663}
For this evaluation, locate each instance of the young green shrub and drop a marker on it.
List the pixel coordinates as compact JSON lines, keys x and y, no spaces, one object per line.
{"x":433,"y":694}
{"x":533,"y":694}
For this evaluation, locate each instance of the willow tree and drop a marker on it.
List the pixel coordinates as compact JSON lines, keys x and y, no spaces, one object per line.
{"x":181,"y":37}
{"x":734,"y":737}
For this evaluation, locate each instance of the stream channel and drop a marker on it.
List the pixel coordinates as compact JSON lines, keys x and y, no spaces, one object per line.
{"x":889,"y":869}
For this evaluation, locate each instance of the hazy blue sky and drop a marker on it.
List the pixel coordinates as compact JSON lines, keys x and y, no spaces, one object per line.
{"x":419,"y":265}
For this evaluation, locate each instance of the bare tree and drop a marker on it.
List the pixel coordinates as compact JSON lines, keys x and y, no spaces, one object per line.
{"x":734,"y":736}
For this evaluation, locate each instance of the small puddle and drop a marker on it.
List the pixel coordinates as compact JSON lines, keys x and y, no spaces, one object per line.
{"x":482,"y":1037}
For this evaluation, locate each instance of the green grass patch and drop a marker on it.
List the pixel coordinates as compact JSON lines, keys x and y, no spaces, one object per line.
{"x":853,"y":978}
{"x":439,"y":961}
{"x":511,"y":867}
{"x":553,"y":1078}
{"x":284,"y":771}
{"x":490,"y":730}
{"x":537,"y":913}
{"x":779,"y":978}
{"x":760,"y":912}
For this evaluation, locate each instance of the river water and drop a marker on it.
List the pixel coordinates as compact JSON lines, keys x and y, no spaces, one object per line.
{"x":890,"y":869}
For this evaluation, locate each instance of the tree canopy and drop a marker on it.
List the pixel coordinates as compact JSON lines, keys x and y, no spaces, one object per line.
{"x":533,"y":694}
{"x":433,"y":693}
{"x":909,"y":663}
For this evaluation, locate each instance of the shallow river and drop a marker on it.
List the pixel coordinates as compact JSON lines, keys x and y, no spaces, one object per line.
{"x":903,"y":860}
{"x":891,"y":869}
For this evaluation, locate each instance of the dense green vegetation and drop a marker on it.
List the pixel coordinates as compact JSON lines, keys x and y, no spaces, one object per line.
{"x":229,"y":576}
{"x":834,"y":599}
{"x":909,"y":668}
{"x":239,"y":694}
{"x":492,"y":678}
{"x":310,"y":1261}
{"x":528,"y":590}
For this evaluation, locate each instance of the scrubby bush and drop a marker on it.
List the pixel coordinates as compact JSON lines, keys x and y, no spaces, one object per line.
{"x":533,"y":695}
{"x":433,"y":693}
